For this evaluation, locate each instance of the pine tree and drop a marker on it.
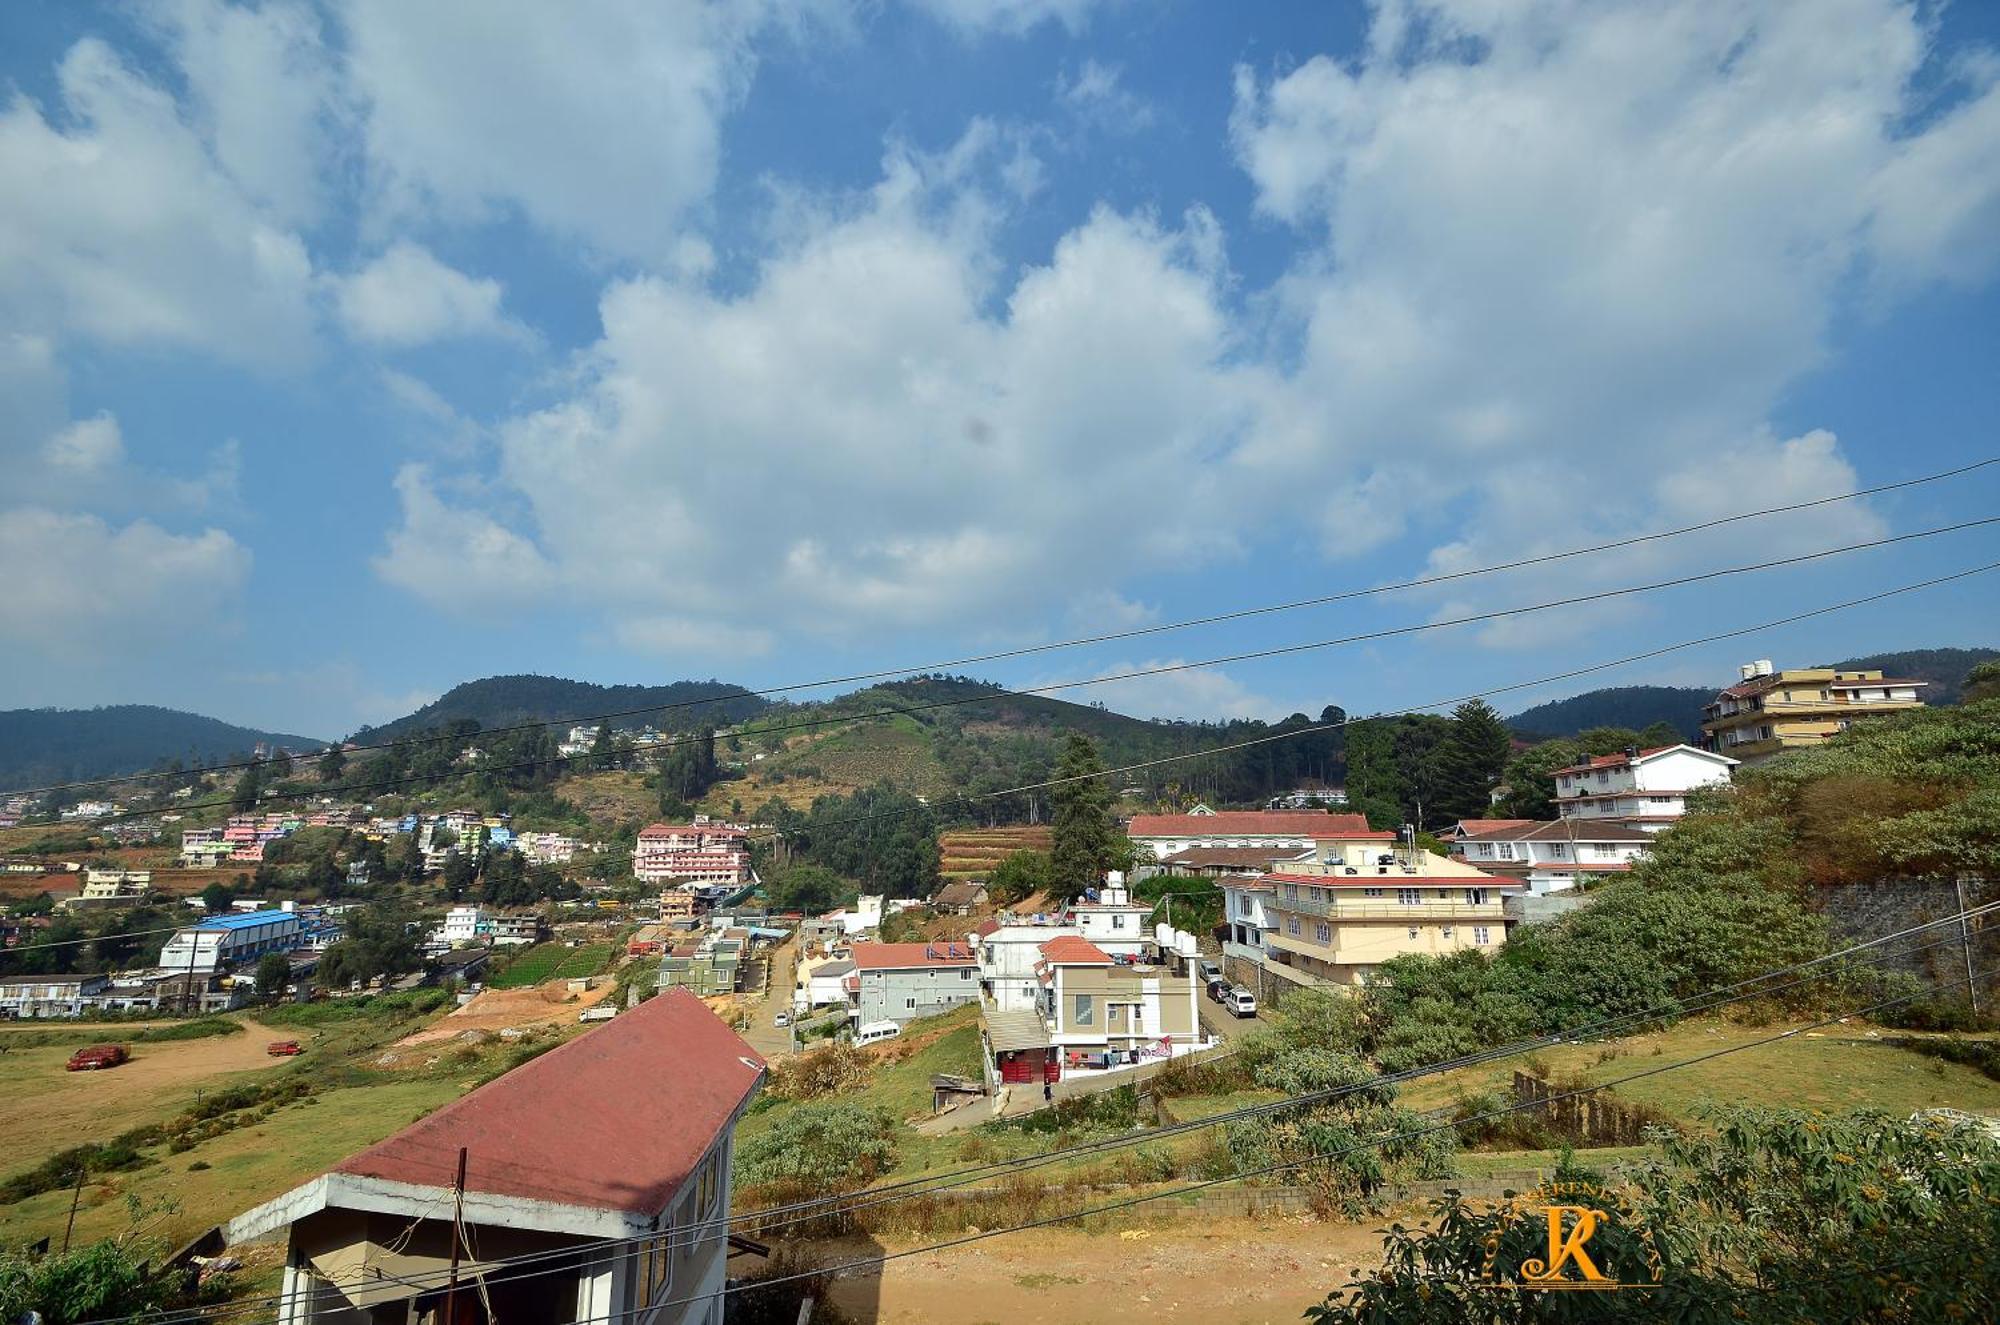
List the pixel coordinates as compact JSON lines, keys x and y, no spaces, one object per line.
{"x":600,"y":748}
{"x":1471,"y":760}
{"x":332,"y":764}
{"x":1085,"y":834}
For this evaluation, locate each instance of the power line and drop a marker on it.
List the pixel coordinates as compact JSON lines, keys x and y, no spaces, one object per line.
{"x":1706,"y":1001}
{"x":1189,"y":623}
{"x":907,"y":710}
{"x":1312,"y":729}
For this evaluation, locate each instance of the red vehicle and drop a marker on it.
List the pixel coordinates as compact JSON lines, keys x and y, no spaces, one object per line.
{"x":283,"y":1048}
{"x":98,"y":1057}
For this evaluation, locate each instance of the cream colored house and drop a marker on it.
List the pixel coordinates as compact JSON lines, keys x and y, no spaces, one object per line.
{"x":1768,"y":712}
{"x":1096,"y":1006}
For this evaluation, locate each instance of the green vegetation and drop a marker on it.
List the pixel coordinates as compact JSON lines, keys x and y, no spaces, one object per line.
{"x":380,"y":1009}
{"x":67,"y":745}
{"x":817,"y":1149}
{"x":1020,"y":876}
{"x":1086,"y":842}
{"x":550,"y":961}
{"x":880,"y":839}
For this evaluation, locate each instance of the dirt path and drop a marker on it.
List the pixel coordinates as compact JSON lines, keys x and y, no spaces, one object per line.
{"x":1215,"y":1271}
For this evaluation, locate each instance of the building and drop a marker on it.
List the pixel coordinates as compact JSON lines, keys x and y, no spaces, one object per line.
{"x":50,"y":995}
{"x":1278,"y":831}
{"x":515,"y":931}
{"x":1363,"y":901}
{"x":820,"y":983}
{"x":608,"y":1156}
{"x":1101,"y":1012}
{"x":110,"y":888}
{"x":548,"y":848}
{"x":710,"y":966}
{"x":961,"y":897}
{"x":1768,"y":712}
{"x":1227,"y":862}
{"x":204,"y":848}
{"x":1643,"y":789}
{"x":1109,"y":918}
{"x":1551,"y":857}
{"x":463,"y":925}
{"x":903,"y":981}
{"x":224,"y":941}
{"x":700,"y":852}
{"x":1310,"y":798}
{"x":1247,"y":916}
{"x":1009,"y":954}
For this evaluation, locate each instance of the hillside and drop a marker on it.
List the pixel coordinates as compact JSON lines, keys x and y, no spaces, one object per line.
{"x":498,"y":701}
{"x":39,"y":746}
{"x":1637,"y":707}
{"x":1945,"y":669}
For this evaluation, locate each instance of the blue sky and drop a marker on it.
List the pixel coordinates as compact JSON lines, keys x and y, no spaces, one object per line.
{"x":352,"y":350}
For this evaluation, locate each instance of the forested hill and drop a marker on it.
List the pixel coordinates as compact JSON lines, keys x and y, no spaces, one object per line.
{"x":499,"y":701}
{"x":1636,"y":707}
{"x":1945,"y":669}
{"x":39,"y":746}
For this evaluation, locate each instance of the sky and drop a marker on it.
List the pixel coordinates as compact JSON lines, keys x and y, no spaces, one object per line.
{"x":352,"y":350}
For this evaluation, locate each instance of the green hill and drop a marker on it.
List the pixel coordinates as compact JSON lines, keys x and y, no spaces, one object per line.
{"x":1637,"y":707}
{"x":499,"y":701}
{"x":39,"y":746}
{"x":1945,"y":669}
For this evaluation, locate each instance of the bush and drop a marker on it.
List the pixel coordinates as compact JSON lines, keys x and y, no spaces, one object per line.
{"x":87,"y":1283}
{"x":818,"y":1149}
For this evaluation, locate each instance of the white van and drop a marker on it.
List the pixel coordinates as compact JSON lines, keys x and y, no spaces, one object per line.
{"x":876,"y":1031}
{"x":1241,"y":1002}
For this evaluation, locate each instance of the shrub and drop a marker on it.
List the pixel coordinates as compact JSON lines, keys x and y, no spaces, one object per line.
{"x":817,"y":1149}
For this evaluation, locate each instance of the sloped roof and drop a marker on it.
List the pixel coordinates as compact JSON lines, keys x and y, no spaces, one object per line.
{"x":615,"y":1119}
{"x":1487,"y":827}
{"x":961,"y":892}
{"x":1073,"y":950}
{"x":1621,"y":759}
{"x":1231,"y":857}
{"x":909,"y":956}
{"x":1257,"y":823}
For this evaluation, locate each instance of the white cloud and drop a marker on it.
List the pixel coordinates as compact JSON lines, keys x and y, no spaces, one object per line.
{"x":1096,"y":94}
{"x":598,"y":122}
{"x":868,"y":434}
{"x":264,"y":92}
{"x":1008,"y":17}
{"x":88,"y":446}
{"x":74,"y":579}
{"x":456,"y":558}
{"x":120,"y":226}
{"x":1563,"y":261}
{"x":407,"y":297}
{"x":1203,"y":693}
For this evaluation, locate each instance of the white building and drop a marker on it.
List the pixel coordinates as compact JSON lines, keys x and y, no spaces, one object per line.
{"x":1246,"y":911}
{"x":1112,"y":920}
{"x":700,"y":852}
{"x":462,"y":925}
{"x":1552,"y":857}
{"x":819,"y":983}
{"x":221,"y":941}
{"x":1278,"y":831}
{"x":1009,"y":955}
{"x":1643,"y":789}
{"x":50,"y":995}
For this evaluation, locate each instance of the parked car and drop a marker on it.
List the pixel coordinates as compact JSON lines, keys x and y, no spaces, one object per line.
{"x":283,"y":1048}
{"x":877,"y":1031}
{"x":1211,"y":971}
{"x":1241,"y":1002}
{"x":782,"y":1020}
{"x":1218,"y":989}
{"x":98,"y":1057}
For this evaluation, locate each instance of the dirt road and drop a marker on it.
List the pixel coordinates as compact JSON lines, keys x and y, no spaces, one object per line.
{"x":1215,"y":1271}
{"x":494,"y":1010}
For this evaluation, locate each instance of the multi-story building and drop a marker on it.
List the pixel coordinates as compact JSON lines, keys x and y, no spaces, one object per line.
{"x":222,"y":941}
{"x":110,"y":889}
{"x":1101,"y":1012}
{"x":1768,"y":712}
{"x":1551,"y":857}
{"x":1278,"y":831}
{"x":700,"y":852}
{"x":548,"y":848}
{"x":1110,"y":918}
{"x":1337,"y":918}
{"x":903,"y":981}
{"x":204,"y":848}
{"x":1009,"y":953}
{"x":710,"y":966}
{"x":513,"y":931}
{"x":50,"y":995}
{"x":1643,"y":789}
{"x":1247,"y":913}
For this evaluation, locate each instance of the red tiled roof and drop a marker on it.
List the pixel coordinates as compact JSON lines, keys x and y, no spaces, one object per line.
{"x":1618,"y":760}
{"x":570,"y":1127}
{"x":1070,"y":950}
{"x":1564,"y":830}
{"x":1259,"y":823}
{"x":904,"y":956}
{"x":986,"y":926}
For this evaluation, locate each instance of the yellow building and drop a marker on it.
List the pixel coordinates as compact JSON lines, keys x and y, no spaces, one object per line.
{"x":1768,"y":712}
{"x":1363,"y":901}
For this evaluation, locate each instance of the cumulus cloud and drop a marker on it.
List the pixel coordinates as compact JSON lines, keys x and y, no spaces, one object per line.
{"x":88,"y":446}
{"x":457,"y":558}
{"x":407,"y":297}
{"x":596,"y":122}
{"x":1008,"y":17}
{"x":122,"y":227}
{"x":1096,"y":94}
{"x":1201,"y":693}
{"x":876,"y":433}
{"x":76,"y":578}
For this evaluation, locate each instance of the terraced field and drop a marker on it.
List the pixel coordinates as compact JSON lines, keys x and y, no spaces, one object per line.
{"x":971,"y":853}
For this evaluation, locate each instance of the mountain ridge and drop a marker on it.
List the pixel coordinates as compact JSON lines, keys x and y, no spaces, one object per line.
{"x":40,"y":746}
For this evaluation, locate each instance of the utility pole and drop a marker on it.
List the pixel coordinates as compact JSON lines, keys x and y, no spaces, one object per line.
{"x":75,"y":1199}
{"x":1965,"y":946}
{"x":457,"y":1222}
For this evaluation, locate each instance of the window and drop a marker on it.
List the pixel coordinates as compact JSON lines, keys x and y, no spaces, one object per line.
{"x":1485,"y":848}
{"x":1475,"y":897}
{"x":910,"y":1002}
{"x":1371,"y":892}
{"x":707,"y":1188}
{"x":1082,"y":1010}
{"x":1506,"y":851}
{"x":1602,"y":777}
{"x":1324,"y":933}
{"x":1409,"y":896}
{"x":1559,"y":849}
{"x":1447,"y":931}
{"x":1481,"y":935}
{"x":1117,"y":922}
{"x":1413,"y":931}
{"x":1291,"y":925}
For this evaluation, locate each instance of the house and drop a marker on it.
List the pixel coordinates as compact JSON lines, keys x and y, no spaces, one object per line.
{"x":1290,"y":831}
{"x":1552,"y":857}
{"x":700,"y":852}
{"x":1009,"y":953}
{"x":222,"y":941}
{"x":1364,"y":900}
{"x":110,"y":888}
{"x":462,"y":925}
{"x":903,"y":981}
{"x":50,"y":995}
{"x":709,"y":966}
{"x":1108,"y":917}
{"x":1309,"y":798}
{"x":463,"y":964}
{"x":1101,"y":1012}
{"x":1247,"y":916}
{"x":821,"y":983}
{"x":1768,"y":712}
{"x":959,"y":897}
{"x":1643,"y":789}
{"x":608,"y":1158}
{"x":515,"y":931}
{"x":204,"y":848}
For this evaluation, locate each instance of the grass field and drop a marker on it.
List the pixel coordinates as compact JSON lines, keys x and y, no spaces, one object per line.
{"x":551,"y":961}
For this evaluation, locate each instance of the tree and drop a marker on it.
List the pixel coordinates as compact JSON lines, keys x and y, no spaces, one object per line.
{"x":1981,"y":683}
{"x":1018,"y":877}
{"x":1531,"y":783}
{"x":97,"y":1281}
{"x":216,"y":898}
{"x":458,"y":874}
{"x":274,"y":972}
{"x":601,"y":752}
{"x":377,"y":940}
{"x":1084,"y":831}
{"x":1471,"y":760}
{"x":808,"y":888}
{"x":248,"y":788}
{"x":332,"y":764}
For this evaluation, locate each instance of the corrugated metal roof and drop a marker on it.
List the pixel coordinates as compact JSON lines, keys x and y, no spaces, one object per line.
{"x":1011,"y":1031}
{"x":247,"y":920}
